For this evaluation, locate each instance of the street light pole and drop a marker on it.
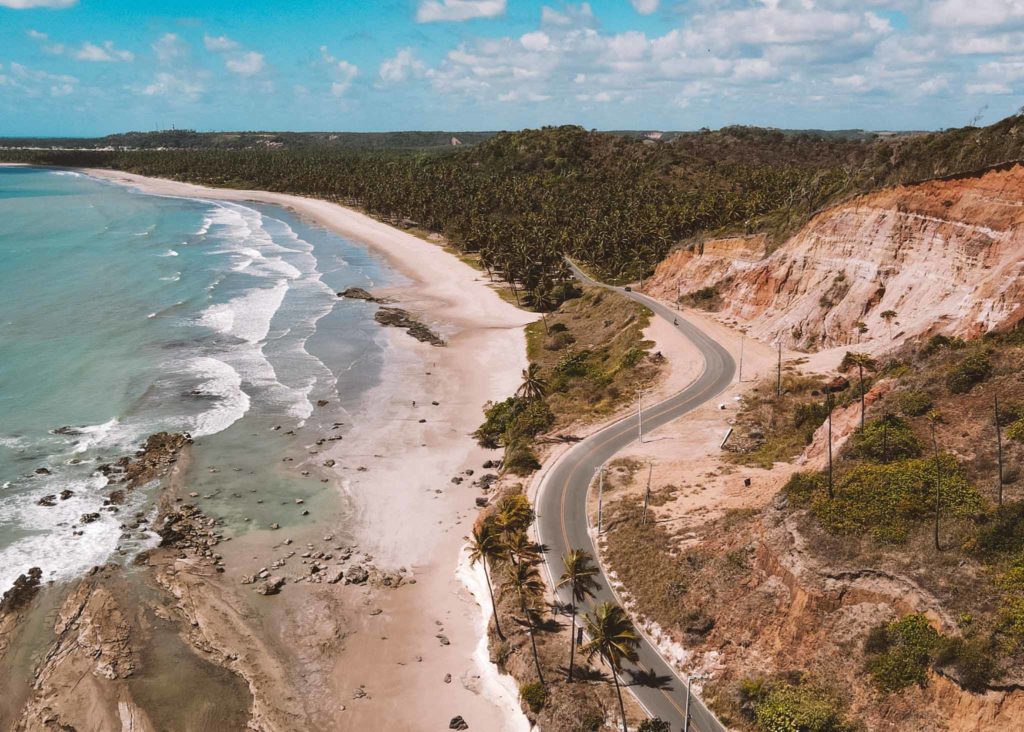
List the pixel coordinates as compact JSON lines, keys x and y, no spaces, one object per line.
{"x":600,"y":499}
{"x":640,"y":416}
{"x":686,"y":714}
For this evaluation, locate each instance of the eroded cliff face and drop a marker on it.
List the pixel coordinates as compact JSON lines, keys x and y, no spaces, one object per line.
{"x":945,"y":256}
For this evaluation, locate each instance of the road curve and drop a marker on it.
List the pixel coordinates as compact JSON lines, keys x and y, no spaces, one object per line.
{"x":562,"y":516}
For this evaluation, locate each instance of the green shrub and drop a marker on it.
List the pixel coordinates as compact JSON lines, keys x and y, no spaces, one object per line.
{"x":971,"y":370}
{"x":1005,"y":535}
{"x":1010,"y":413}
{"x":811,"y":415}
{"x":1016,"y":431}
{"x":939,"y":342}
{"x":914,"y":403}
{"x":887,"y":500}
{"x":520,"y":458}
{"x":534,"y":694}
{"x":654,"y":725}
{"x":509,"y":420}
{"x":973,"y":660}
{"x":574,"y":364}
{"x":803,"y":486}
{"x":885,"y":439}
{"x":900,"y":652}
{"x":558,"y":341}
{"x":631,"y":358}
{"x":789,"y":708}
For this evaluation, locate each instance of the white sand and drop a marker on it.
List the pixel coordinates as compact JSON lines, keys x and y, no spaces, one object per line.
{"x":409,"y":512}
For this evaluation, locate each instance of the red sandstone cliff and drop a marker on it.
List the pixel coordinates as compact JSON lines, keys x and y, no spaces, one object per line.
{"x":946,"y":256}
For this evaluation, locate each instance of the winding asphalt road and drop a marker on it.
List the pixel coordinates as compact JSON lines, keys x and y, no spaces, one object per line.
{"x":562,"y":515}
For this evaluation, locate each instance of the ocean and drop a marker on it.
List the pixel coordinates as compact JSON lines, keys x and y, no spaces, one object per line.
{"x":125,"y":314}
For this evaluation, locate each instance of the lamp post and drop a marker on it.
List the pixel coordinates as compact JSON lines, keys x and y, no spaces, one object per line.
{"x":600,"y":498}
{"x":640,"y":416}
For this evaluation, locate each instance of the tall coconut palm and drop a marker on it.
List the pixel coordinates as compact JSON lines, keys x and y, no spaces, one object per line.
{"x":579,"y":577}
{"x":520,"y":548}
{"x":533,"y":386}
{"x":613,"y":637}
{"x":524,"y":578}
{"x":861,"y":361}
{"x":486,"y":547}
{"x":514,"y":513}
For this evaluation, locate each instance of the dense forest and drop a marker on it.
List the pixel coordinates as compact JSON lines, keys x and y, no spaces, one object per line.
{"x":618,"y":203}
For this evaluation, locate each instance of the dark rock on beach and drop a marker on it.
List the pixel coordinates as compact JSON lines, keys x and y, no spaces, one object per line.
{"x":398,"y":318}
{"x":22,"y":591}
{"x":358,"y":293}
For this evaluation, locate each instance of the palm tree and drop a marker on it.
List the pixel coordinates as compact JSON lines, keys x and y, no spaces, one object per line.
{"x":520,"y":548}
{"x":579,"y":576}
{"x":525,"y":579}
{"x":861,"y":361}
{"x":486,"y":547}
{"x":888,"y":316}
{"x":612,"y":637}
{"x":533,"y":386}
{"x":514,"y":513}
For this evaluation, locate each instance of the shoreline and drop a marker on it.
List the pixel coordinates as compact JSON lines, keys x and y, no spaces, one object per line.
{"x":396,"y":469}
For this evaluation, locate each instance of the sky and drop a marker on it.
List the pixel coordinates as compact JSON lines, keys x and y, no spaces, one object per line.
{"x":93,"y":67}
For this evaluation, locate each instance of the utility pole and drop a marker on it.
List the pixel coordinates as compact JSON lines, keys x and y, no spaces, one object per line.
{"x":999,"y":447}
{"x":600,"y":499}
{"x":686,"y":714}
{"x":647,"y":493}
{"x":640,"y":416}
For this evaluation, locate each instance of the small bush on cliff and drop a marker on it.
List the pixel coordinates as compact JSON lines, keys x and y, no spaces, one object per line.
{"x":534,"y":694}
{"x":888,"y":500}
{"x":782,"y":706}
{"x":941,"y":342}
{"x":915,"y":403}
{"x":884,"y":439}
{"x":654,"y":725}
{"x":973,"y":661}
{"x":971,"y":370}
{"x":513,"y":418}
{"x":1016,"y":431}
{"x":900,"y":652}
{"x":520,"y":458}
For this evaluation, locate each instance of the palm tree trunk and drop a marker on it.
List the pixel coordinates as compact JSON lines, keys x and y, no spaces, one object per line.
{"x":533,"y":640}
{"x":828,"y":401}
{"x":618,"y":693}
{"x":860,"y":370}
{"x":494,"y":605}
{"x":572,"y":638}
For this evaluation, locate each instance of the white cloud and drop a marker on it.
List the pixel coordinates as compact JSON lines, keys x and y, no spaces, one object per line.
{"x":36,"y":83}
{"x":988,"y":89}
{"x":645,"y":7}
{"x":25,"y":4}
{"x":170,"y":47}
{"x":976,"y":13}
{"x":246,"y":63}
{"x":432,"y":11}
{"x":166,"y":84}
{"x":401,"y":67}
{"x":106,"y":52}
{"x":578,"y":16}
{"x":342,"y":72}
{"x":219,"y":43}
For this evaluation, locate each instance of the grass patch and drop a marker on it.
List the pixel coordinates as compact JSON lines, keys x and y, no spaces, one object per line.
{"x":770,"y":428}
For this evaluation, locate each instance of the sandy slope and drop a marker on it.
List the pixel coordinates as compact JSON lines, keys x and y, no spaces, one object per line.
{"x":410,"y":513}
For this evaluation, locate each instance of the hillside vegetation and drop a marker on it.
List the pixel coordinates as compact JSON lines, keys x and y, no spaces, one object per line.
{"x":522,"y":200}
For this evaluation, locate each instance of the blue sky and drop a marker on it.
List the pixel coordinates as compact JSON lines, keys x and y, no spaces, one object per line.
{"x":91,"y":67}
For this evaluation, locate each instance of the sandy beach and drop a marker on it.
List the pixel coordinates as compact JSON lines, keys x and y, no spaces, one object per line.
{"x":416,"y":663}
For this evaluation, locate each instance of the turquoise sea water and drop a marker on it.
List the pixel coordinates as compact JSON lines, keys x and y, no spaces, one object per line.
{"x":124,"y":314}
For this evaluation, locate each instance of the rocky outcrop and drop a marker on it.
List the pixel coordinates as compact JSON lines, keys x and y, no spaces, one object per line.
{"x":399,"y":318}
{"x":358,"y":293}
{"x":152,"y":461}
{"x":945,"y":256}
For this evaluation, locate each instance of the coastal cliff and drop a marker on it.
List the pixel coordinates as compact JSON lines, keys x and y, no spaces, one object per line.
{"x":945,"y":256}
